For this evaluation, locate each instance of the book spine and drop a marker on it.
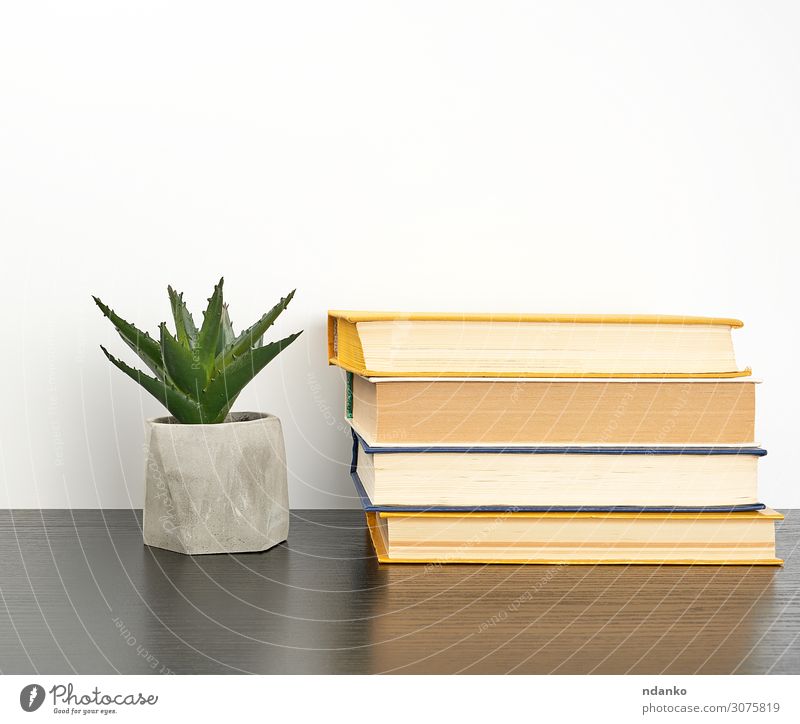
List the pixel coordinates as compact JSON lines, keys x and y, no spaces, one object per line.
{"x":344,"y":345}
{"x":348,"y":399}
{"x":331,"y":338}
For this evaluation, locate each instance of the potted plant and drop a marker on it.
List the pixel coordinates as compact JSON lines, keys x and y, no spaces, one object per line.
{"x":215,"y":481}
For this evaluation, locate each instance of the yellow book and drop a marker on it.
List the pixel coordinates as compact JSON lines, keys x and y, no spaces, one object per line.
{"x":740,"y":538}
{"x":426,"y":344}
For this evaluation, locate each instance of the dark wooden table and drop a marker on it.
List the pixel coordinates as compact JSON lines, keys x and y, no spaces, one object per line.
{"x":81,"y":594}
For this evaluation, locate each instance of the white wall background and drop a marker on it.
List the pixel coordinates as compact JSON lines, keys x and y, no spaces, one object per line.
{"x":531,"y":156}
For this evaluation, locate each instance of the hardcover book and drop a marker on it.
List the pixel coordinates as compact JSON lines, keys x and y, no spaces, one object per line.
{"x":578,"y":538}
{"x":508,"y":411}
{"x":376,"y":344}
{"x":550,"y":476}
{"x":371,"y":507}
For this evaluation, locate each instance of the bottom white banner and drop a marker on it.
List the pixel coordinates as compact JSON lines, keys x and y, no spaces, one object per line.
{"x":400,"y":698}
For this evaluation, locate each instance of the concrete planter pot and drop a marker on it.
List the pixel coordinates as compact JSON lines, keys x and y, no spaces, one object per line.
{"x":216,"y":488}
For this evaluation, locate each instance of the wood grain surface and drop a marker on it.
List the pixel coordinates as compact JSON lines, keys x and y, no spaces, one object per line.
{"x":81,"y":594}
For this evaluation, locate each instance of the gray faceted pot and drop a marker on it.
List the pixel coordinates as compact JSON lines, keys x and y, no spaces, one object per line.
{"x":216,"y":488}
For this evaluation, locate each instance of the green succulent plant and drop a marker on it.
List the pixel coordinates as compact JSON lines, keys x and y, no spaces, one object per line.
{"x":199,"y":373}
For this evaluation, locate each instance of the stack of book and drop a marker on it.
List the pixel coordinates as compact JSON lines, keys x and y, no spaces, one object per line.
{"x":553,"y":439}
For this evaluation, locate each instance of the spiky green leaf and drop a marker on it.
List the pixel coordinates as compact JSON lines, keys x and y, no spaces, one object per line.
{"x":252,"y":336}
{"x":140,"y":342}
{"x":185,"y":328}
{"x":206,"y":346}
{"x":226,"y":333}
{"x":231,"y":379}
{"x":181,"y":364}
{"x":183,"y":409}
